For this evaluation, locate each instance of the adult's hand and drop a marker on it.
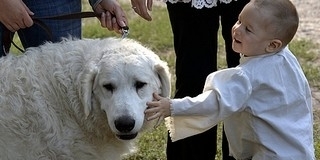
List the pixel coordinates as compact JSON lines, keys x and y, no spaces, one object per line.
{"x":112,"y":15}
{"x":14,"y":15}
{"x":141,"y":8}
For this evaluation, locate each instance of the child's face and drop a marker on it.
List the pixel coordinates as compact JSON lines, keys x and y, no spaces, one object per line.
{"x":250,"y":36}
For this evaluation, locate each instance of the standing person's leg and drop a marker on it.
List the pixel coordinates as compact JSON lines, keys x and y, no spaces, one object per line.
{"x":195,"y":43}
{"x":35,"y":35}
{"x":2,"y":53}
{"x":229,"y":16}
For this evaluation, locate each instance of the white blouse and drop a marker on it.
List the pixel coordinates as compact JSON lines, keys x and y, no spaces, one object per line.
{"x":201,"y":3}
{"x":265,"y":104}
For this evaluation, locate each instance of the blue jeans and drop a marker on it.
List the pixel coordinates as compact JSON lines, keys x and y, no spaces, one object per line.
{"x":35,"y":35}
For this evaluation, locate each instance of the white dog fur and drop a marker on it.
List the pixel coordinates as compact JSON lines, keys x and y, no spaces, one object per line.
{"x":78,"y":99}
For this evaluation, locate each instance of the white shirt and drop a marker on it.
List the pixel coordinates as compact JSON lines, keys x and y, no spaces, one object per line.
{"x":265,"y":104}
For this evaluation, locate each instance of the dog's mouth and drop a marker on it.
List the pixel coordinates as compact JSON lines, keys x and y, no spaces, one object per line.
{"x":127,"y":136}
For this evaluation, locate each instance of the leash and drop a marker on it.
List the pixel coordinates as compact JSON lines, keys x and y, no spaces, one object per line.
{"x":7,"y":37}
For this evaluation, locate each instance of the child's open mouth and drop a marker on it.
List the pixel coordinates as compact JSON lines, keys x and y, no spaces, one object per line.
{"x":237,"y":41}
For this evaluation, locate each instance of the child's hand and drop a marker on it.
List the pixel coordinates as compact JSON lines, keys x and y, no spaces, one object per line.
{"x":160,"y":108}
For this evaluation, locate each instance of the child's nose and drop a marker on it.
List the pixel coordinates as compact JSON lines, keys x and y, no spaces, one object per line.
{"x":237,"y":29}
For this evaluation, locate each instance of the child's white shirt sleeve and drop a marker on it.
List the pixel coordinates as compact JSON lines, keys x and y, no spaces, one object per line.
{"x":225,"y":92}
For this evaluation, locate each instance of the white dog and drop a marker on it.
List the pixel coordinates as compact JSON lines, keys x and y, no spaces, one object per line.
{"x":78,"y":99}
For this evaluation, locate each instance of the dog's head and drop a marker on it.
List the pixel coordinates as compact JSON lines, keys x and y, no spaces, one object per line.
{"x":120,"y":82}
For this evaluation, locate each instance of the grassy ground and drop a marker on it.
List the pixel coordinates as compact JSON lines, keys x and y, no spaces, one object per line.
{"x":157,"y":36}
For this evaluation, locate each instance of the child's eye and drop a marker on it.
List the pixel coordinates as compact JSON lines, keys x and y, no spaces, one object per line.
{"x":247,"y":29}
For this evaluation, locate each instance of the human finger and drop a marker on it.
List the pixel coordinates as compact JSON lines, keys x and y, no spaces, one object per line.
{"x":160,"y":119}
{"x":143,"y":12}
{"x":140,"y":7}
{"x":115,"y":25}
{"x":121,"y":20}
{"x":27,"y":20}
{"x":103,"y":20}
{"x":153,"y":116}
{"x":152,"y":107}
{"x":108,"y":20}
{"x":27,"y":9}
{"x":149,"y":4}
{"x":13,"y":27}
{"x":157,"y":97}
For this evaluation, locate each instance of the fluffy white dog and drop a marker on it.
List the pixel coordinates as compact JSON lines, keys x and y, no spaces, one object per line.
{"x":78,"y":99}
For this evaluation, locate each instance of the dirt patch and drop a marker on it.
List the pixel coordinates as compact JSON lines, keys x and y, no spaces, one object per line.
{"x":309,"y":11}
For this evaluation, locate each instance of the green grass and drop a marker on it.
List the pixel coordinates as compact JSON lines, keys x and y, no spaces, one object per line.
{"x":157,"y":36}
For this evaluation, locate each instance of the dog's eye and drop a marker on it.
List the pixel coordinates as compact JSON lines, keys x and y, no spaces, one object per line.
{"x":139,"y":84}
{"x":109,"y":87}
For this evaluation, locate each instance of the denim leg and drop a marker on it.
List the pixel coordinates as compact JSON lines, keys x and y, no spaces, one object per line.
{"x":35,"y":35}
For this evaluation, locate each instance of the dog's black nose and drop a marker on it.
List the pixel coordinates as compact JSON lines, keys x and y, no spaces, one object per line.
{"x":124,"y":124}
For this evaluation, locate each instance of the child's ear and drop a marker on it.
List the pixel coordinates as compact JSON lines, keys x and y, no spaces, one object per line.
{"x":274,"y":46}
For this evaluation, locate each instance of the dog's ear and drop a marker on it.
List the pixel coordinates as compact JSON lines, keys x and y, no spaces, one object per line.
{"x":87,"y":78}
{"x":164,"y":75}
